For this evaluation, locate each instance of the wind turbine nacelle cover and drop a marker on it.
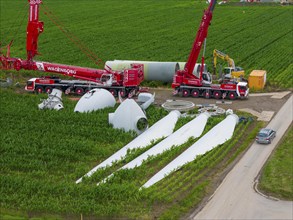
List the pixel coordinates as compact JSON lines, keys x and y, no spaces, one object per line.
{"x":129,"y":116}
{"x":95,"y":99}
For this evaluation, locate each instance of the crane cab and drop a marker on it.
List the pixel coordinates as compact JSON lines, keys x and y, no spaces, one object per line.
{"x":242,"y":89}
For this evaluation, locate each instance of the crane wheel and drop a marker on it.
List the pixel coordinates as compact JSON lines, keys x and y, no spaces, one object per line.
{"x":79,"y":91}
{"x":123,"y":93}
{"x":232,"y":95}
{"x":113,"y":92}
{"x":195,"y":93}
{"x":217,"y":94}
{"x":207,"y":94}
{"x":185,"y":92}
{"x":87,"y":90}
{"x":48,"y":89}
{"x":39,"y":89}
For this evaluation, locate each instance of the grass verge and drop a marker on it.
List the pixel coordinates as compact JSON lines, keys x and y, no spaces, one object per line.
{"x":277,"y":176}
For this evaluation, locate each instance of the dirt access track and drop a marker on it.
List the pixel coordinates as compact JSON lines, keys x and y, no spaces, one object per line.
{"x":262,"y":105}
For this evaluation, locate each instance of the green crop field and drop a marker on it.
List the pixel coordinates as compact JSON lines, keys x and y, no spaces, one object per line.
{"x":256,"y":36}
{"x":43,"y":153}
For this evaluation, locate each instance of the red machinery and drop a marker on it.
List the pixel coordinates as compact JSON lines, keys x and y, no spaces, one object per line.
{"x":186,"y":83}
{"x":126,"y":82}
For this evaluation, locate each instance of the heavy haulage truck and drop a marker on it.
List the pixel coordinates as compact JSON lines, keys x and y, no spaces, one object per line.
{"x":126,"y":81}
{"x":187,"y":84}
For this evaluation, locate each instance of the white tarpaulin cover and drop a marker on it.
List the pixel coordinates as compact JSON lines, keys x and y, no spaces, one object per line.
{"x":216,"y":136}
{"x":160,"y":129}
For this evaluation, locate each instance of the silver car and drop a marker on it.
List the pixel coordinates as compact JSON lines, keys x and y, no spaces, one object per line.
{"x":265,"y":136}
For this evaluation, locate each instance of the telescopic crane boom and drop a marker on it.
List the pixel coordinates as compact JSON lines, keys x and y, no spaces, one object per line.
{"x":126,"y":81}
{"x":186,"y":83}
{"x":199,"y":40}
{"x":34,"y":28}
{"x":186,"y":76}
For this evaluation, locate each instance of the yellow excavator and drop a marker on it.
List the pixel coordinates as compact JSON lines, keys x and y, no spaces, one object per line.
{"x":231,"y":71}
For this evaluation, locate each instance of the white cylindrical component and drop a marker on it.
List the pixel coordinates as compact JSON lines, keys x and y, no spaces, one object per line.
{"x":144,"y":97}
{"x":94,"y":100}
{"x":160,"y":129}
{"x":196,"y":69}
{"x":216,"y":136}
{"x":54,"y":101}
{"x":56,"y":94}
{"x":155,"y":71}
{"x":128,"y":116}
{"x":146,"y":103}
{"x":58,"y":106}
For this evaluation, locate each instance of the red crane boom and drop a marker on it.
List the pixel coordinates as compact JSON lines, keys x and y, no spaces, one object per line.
{"x":126,"y":81}
{"x":200,"y":37}
{"x":186,"y":83}
{"x":34,"y":28}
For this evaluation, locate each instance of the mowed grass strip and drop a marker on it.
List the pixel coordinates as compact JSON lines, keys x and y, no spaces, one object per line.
{"x":277,"y":176}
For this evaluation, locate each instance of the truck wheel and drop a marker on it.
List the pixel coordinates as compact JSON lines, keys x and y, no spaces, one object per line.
{"x":79,"y":91}
{"x":207,"y":94}
{"x":39,"y":89}
{"x":195,"y":93}
{"x":185,"y":92}
{"x":232,"y":95}
{"x":113,"y":92}
{"x":123,"y":93}
{"x":87,"y":90}
{"x":48,"y":89}
{"x":217,"y":94}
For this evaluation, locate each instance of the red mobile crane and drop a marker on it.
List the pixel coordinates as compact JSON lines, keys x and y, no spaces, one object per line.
{"x":126,"y":82}
{"x":186,"y":83}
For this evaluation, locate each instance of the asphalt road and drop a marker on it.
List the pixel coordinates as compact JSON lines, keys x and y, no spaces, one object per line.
{"x":237,"y":196}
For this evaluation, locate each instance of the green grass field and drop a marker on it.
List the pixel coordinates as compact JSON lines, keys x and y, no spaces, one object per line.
{"x":256,"y":36}
{"x":277,"y":176}
{"x":44,"y":152}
